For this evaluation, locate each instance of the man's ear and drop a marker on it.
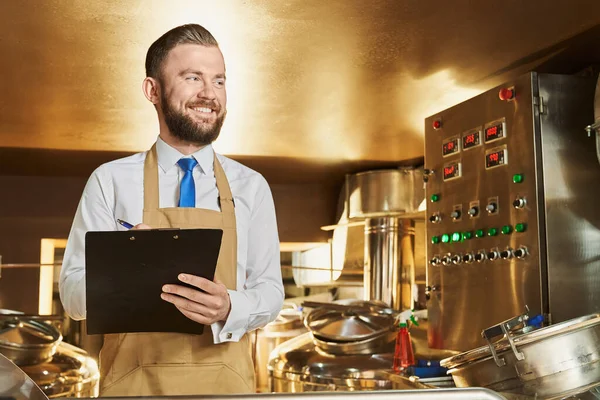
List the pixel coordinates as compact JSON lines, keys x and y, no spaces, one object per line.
{"x":151,"y":89}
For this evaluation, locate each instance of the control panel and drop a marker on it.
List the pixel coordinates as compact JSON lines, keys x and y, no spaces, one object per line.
{"x":482,"y":215}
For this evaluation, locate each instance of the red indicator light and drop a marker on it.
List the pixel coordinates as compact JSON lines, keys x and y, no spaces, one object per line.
{"x":437,"y":124}
{"x":506,"y":94}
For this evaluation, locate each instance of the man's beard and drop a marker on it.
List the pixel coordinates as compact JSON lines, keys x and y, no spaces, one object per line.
{"x":186,"y":129}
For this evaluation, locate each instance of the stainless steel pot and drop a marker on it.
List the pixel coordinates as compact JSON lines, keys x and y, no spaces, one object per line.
{"x":553,"y":362}
{"x":28,"y":342}
{"x":299,"y":366}
{"x":287,"y":325}
{"x":70,"y":373}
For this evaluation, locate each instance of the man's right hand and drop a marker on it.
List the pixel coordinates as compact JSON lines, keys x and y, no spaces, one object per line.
{"x":142,"y":226}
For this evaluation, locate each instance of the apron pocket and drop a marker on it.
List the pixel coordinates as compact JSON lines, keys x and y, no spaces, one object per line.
{"x":179,"y":380}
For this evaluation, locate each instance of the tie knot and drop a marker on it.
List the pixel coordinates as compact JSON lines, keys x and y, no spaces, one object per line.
{"x":187,"y":164}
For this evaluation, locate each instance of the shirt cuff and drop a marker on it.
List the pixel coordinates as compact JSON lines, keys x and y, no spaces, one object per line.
{"x":235,"y":327}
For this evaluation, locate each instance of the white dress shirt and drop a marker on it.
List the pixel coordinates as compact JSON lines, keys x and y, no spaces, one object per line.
{"x":116,"y":190}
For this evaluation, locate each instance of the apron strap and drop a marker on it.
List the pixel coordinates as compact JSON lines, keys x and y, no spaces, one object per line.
{"x":225,"y":196}
{"x":151,"y":196}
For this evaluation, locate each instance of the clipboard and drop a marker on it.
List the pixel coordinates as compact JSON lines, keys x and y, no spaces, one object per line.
{"x":126,"y":270}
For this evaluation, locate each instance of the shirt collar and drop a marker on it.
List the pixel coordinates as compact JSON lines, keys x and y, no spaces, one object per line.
{"x":168,"y":156}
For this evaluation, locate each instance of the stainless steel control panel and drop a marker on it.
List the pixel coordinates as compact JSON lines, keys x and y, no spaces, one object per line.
{"x":487,"y":206}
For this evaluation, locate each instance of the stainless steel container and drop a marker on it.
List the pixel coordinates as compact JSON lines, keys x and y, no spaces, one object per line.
{"x":384,"y":193}
{"x":28,"y":342}
{"x":288,"y":325}
{"x":300,"y":366}
{"x":553,"y":362}
{"x":70,"y":373}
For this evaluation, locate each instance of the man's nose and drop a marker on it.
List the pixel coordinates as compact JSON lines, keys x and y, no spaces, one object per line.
{"x":207,"y":91}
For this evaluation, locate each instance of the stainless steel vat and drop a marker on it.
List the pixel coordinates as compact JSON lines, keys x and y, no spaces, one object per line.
{"x":554,"y":362}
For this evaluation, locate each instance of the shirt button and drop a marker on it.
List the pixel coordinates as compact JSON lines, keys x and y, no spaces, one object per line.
{"x":229,"y":335}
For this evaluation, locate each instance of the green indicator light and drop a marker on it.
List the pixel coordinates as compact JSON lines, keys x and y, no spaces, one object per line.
{"x":520,"y":227}
{"x":492,"y":232}
{"x":435,"y":197}
{"x":479,"y":233}
{"x":517,"y":178}
{"x":456,"y":237}
{"x":467,"y":235}
{"x":445,"y":238}
{"x":435,"y":239}
{"x":506,"y":229}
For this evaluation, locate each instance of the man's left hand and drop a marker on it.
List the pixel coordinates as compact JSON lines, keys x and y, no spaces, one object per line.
{"x":212,"y":305}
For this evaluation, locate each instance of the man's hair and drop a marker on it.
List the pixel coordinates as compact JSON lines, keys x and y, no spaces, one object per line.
{"x":184,"y":34}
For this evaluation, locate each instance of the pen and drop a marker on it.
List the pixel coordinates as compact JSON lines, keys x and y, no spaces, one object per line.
{"x":125,"y":223}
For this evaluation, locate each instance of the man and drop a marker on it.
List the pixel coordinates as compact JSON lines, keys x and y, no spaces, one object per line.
{"x":182,"y":183}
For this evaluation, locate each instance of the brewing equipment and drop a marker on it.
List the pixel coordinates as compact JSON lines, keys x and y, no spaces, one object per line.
{"x":512,"y":214}
{"x":350,"y":344}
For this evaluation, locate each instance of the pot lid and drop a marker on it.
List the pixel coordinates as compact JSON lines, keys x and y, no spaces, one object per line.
{"x":15,"y":384}
{"x":355,"y":321}
{"x":16,"y":333}
{"x":522,"y":340}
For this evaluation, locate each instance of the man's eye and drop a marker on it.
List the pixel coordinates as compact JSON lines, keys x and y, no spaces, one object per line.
{"x":220,"y":82}
{"x":193,"y":78}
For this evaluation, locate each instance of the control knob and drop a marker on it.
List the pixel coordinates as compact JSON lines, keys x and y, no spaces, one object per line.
{"x":491,"y":208}
{"x":519,"y":202}
{"x":446,"y":260}
{"x":493,"y":255}
{"x":480,"y":256}
{"x":435,"y":218}
{"x":456,"y":259}
{"x":473,"y":211}
{"x":455,"y":214}
{"x":506,"y":254}
{"x":435,"y":261}
{"x":521,"y":252}
{"x":468,"y":258}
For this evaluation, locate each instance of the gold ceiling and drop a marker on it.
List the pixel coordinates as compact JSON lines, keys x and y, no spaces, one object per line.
{"x":307,"y":79}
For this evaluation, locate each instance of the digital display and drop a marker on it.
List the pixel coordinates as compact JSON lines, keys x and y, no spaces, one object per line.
{"x":495,"y":158}
{"x":471,"y":140}
{"x":450,"y":147}
{"x":494,"y":132}
{"x":451,"y":171}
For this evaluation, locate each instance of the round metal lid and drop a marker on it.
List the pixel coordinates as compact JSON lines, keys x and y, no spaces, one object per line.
{"x":502,"y":345}
{"x":16,"y":333}
{"x":355,"y":321}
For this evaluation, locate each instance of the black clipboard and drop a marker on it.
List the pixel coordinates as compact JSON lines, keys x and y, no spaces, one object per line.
{"x":125,"y":272}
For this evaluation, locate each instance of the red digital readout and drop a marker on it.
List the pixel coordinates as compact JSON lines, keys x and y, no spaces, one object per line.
{"x":491,"y":132}
{"x":493,"y":157}
{"x":470,"y":138}
{"x":450,"y":145}
{"x":448,"y":171}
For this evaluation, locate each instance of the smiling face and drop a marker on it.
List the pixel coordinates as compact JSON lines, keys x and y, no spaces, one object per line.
{"x":193,"y":99}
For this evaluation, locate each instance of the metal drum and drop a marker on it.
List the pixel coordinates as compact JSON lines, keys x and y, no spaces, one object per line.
{"x":552,"y":362}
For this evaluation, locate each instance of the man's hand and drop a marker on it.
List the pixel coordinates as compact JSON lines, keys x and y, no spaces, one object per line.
{"x":212,"y":305}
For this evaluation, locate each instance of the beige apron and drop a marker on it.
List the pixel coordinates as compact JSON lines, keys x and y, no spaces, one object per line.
{"x":156,"y":364}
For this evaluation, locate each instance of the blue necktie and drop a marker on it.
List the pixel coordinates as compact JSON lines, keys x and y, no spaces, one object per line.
{"x":187,"y":190}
